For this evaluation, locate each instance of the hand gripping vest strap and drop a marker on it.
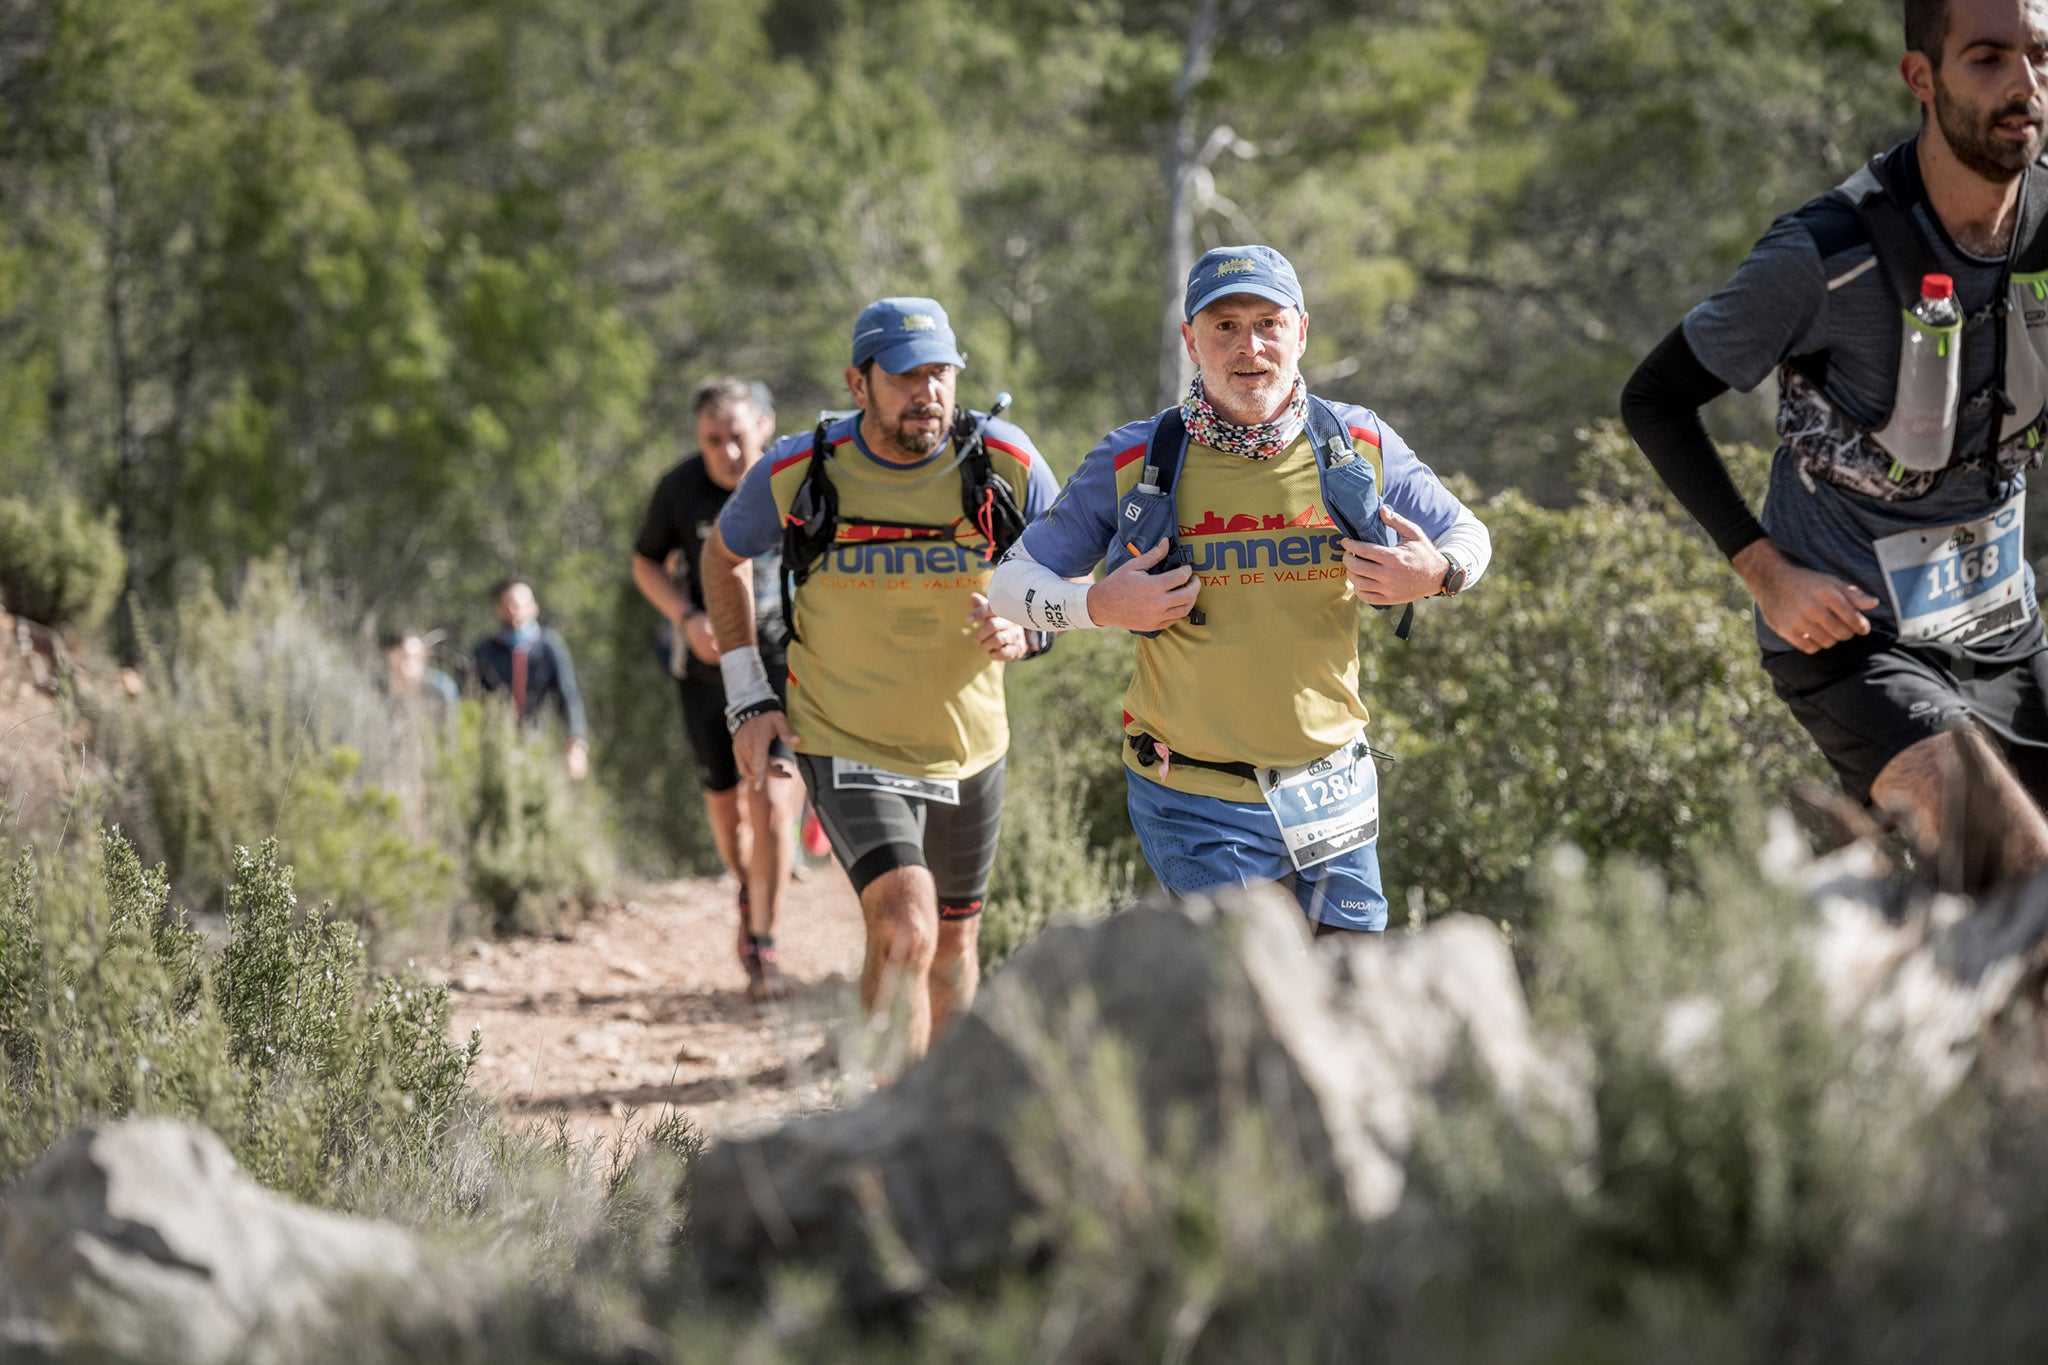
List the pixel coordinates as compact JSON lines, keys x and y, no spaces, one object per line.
{"x":1150,"y":512}
{"x":811,"y":527}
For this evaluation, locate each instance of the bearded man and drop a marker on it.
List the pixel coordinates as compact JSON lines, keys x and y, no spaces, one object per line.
{"x":1895,"y":607}
{"x":888,"y":521}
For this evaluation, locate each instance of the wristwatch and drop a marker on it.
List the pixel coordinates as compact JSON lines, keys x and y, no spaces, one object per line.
{"x":1454,"y":578}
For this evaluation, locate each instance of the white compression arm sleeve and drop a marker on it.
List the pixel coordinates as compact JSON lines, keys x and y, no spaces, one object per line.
{"x":1025,"y":591}
{"x":746,"y":677}
{"x":1468,"y":542}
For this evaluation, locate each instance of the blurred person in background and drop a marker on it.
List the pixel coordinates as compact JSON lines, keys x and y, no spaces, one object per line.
{"x":532,"y":667}
{"x":735,"y":421}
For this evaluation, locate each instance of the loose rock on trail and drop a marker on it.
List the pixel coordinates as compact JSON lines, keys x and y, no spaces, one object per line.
{"x":642,"y":1008}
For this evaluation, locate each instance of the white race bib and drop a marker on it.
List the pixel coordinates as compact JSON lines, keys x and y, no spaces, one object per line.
{"x":1956,"y":583}
{"x":1325,"y":807}
{"x":848,"y":775}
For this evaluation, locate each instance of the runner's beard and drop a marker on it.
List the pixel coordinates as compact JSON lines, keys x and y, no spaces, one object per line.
{"x":921,"y":442}
{"x":1249,"y":399}
{"x":1975,"y":142}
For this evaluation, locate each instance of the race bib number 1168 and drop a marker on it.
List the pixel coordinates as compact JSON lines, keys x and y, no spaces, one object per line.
{"x":1956,"y":583}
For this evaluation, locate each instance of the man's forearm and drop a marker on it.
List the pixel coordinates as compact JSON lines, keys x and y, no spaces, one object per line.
{"x":728,"y":593}
{"x":1660,"y":407}
{"x":1025,"y":591}
{"x":659,"y":590}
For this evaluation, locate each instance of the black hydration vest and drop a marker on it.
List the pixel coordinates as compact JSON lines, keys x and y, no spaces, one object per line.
{"x":811,"y":527}
{"x":1149,"y":512}
{"x":1824,"y":440}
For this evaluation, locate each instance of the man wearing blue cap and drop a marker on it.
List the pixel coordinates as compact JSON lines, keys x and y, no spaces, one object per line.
{"x":1241,"y":530}
{"x":889,"y":522}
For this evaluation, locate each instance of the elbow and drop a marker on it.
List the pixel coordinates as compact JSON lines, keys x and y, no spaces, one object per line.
{"x":1638,"y":402}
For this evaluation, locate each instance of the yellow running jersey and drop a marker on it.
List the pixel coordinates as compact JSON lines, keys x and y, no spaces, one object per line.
{"x":885,"y":668}
{"x":1271,"y":676}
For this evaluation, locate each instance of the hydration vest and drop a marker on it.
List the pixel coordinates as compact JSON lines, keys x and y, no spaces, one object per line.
{"x":1149,"y":512}
{"x":811,"y":526}
{"x":1813,"y":420}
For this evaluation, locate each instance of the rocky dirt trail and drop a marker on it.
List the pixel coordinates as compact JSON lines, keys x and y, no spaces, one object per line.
{"x":642,"y":1009}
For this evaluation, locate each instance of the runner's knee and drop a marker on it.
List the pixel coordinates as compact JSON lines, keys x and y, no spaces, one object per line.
{"x":879,"y":862}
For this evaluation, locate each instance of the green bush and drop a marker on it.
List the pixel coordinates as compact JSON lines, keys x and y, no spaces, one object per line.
{"x":1599,"y":687}
{"x":313,"y":1072}
{"x":257,"y":724}
{"x":58,"y":564}
{"x":531,"y":838}
{"x":262,"y":721}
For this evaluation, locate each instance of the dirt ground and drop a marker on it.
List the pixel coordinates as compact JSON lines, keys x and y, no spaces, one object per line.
{"x":643,"y":1008}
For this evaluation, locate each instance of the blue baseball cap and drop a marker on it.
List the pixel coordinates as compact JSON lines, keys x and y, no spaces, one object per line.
{"x":902,"y":334}
{"x":1231,"y":270}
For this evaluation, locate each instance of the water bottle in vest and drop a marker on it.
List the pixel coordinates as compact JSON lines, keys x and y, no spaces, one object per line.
{"x":1922,"y":431}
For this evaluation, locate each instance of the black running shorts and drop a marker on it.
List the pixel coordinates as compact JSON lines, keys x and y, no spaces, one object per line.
{"x":873,"y":832}
{"x":704,"y":722}
{"x":1888,"y":699}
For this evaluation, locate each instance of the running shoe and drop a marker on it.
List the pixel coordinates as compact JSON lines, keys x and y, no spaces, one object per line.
{"x":764,"y":971}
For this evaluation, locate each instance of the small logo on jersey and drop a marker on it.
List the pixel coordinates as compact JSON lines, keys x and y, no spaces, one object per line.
{"x":1236,"y":265}
{"x":1215,"y":524}
{"x":920,"y":322}
{"x":1132,"y":512}
{"x":2006,"y":518}
{"x":1961,"y":538}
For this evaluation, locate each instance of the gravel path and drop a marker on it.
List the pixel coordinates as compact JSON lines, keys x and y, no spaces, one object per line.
{"x":643,"y":1008}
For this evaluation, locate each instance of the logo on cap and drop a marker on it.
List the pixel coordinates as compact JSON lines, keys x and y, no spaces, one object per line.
{"x":920,"y":322}
{"x":1236,"y":265}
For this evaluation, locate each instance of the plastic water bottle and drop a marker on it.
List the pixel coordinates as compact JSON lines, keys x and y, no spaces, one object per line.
{"x":1922,"y":429}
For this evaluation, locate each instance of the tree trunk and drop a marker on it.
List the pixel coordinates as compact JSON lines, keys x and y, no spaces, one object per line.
{"x":130,"y":497}
{"x":1182,"y":162}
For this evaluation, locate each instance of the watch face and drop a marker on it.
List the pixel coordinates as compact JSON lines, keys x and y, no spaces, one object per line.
{"x":1454,"y":577}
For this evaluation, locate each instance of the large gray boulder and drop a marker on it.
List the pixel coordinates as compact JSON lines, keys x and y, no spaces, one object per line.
{"x":1156,"y":1029}
{"x":142,"y":1241}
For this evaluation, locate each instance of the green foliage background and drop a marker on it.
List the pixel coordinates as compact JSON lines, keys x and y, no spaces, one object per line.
{"x":416,"y":295}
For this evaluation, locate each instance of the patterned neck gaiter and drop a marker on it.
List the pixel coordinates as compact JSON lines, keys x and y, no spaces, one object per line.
{"x":1260,"y":440}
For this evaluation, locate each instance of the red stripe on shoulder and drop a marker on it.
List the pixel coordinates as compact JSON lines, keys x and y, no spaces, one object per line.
{"x":1124,"y":457}
{"x":804,"y":454}
{"x":1365,"y":434}
{"x":1017,"y":453}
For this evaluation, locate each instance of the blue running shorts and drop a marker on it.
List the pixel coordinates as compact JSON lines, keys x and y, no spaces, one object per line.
{"x":1197,"y":843}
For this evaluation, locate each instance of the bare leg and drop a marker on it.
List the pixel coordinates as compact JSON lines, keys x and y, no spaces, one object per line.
{"x":771,"y":821}
{"x":902,"y":914}
{"x":1983,"y":819}
{"x":956,"y":970}
{"x":722,"y":809}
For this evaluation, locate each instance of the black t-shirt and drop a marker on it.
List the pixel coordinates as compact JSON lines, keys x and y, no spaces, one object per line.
{"x":680,"y":516}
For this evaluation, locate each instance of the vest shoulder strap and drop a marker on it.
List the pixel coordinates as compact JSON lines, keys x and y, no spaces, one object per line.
{"x":1882,"y":195}
{"x":1166,"y":451}
{"x":1328,"y":435}
{"x":2031,"y":256}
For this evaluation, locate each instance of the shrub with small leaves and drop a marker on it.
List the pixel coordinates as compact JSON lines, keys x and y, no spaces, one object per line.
{"x":314,"y":1072}
{"x":58,"y":564}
